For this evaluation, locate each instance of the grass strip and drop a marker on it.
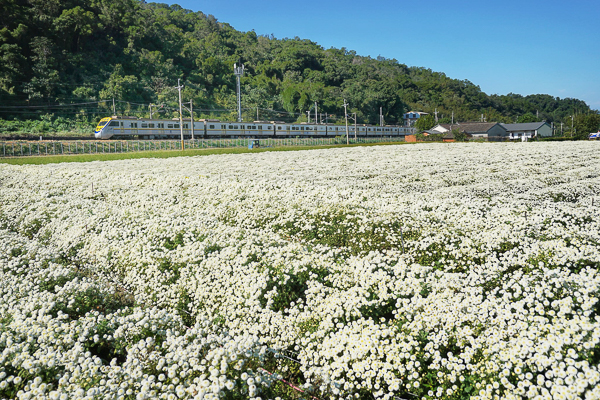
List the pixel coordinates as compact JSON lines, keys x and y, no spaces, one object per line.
{"x":39,"y":160}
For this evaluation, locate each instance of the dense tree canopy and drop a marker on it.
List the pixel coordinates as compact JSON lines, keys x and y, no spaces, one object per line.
{"x":82,"y":52}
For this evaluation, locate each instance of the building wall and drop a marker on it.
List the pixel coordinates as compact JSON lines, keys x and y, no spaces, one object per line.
{"x":497,"y":133}
{"x":545,"y":130}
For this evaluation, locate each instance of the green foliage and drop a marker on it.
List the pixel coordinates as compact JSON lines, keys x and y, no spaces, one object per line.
{"x":425,"y":122}
{"x":436,"y":137}
{"x":527,"y":117}
{"x":78,"y":51}
{"x":585,"y":124}
{"x":458,"y":135}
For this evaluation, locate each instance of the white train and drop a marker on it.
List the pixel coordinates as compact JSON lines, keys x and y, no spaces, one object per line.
{"x":132,"y":127}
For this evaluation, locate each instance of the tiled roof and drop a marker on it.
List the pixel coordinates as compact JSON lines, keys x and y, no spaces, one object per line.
{"x":528,"y":126}
{"x":470,"y":127}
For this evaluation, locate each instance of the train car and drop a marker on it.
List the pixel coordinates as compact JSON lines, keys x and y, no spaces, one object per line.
{"x":215,"y":128}
{"x":144,"y":128}
{"x":336,"y":130}
{"x":129,"y":127}
{"x":283,"y":129}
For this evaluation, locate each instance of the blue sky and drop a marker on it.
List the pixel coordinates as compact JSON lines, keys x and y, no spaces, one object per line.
{"x":526,"y":47}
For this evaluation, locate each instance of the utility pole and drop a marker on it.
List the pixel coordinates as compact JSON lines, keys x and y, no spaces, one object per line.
{"x":191,"y":110}
{"x":192,"y":117}
{"x":179,"y":87}
{"x":308,"y":116}
{"x":316,"y":115}
{"x":380,"y":116}
{"x":572,"y":119}
{"x":452,"y":117}
{"x":355,"y":126}
{"x":436,"y":117}
{"x":150,"y":110}
{"x":238,"y":72}
{"x":346,"y":115}
{"x":114,"y":110}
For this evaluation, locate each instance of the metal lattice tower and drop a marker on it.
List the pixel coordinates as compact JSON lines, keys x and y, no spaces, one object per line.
{"x":238,"y":72}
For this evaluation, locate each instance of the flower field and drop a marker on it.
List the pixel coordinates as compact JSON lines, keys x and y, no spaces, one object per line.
{"x":397,"y":272}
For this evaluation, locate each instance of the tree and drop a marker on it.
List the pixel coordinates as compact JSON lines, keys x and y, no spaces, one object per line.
{"x":459,"y":136}
{"x":585,"y":124}
{"x":527,"y":117}
{"x":425,"y":122}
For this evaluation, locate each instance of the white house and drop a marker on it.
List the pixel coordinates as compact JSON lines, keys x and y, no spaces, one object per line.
{"x":493,"y":131}
{"x":528,"y":130}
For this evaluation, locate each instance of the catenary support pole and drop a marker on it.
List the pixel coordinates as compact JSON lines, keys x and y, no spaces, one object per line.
{"x":180,"y":113}
{"x":346,"y":115}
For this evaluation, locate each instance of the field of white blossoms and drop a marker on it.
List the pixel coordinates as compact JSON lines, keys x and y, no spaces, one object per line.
{"x":400,"y":272}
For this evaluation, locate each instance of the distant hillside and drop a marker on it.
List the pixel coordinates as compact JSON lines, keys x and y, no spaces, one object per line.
{"x":78,"y":51}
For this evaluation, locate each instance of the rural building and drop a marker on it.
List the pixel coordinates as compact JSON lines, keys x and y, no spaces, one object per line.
{"x":492,"y":131}
{"x":412,"y":116}
{"x":528,"y":130}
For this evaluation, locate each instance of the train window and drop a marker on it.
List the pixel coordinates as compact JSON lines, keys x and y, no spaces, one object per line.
{"x":185,"y":126}
{"x":144,"y":125}
{"x":260,"y":127}
{"x":114,"y":123}
{"x":121,"y":124}
{"x":211,"y":127}
{"x":278,"y":128}
{"x":177,"y":126}
{"x":161,"y":126}
{"x":169,"y":125}
{"x":150,"y":125}
{"x":268,"y":127}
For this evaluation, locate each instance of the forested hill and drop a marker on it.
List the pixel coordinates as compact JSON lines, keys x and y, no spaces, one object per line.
{"x":82,"y":51}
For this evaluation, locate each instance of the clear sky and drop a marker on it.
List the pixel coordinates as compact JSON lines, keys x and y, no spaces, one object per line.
{"x":525,"y":46}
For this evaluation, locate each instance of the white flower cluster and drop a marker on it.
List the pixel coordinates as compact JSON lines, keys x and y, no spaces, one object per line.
{"x":429,"y":271}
